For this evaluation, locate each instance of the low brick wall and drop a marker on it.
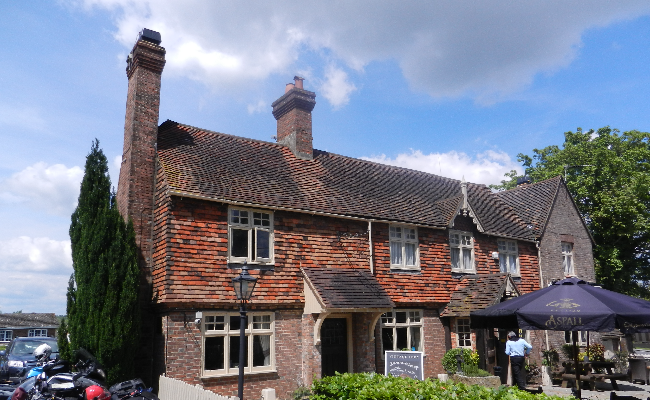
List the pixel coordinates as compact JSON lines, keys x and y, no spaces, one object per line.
{"x":487,"y":381}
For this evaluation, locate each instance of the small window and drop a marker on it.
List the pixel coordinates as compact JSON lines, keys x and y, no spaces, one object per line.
{"x":37,"y":333}
{"x":250,"y":236}
{"x":463,"y":333}
{"x":567,"y":258}
{"x":402,"y":330}
{"x":221,"y":343}
{"x":403,"y":247}
{"x":5,"y":336}
{"x":508,"y":257}
{"x":462,"y":251}
{"x":582,"y":338}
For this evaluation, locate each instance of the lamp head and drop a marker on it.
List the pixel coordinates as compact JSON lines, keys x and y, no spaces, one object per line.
{"x":244,"y":284}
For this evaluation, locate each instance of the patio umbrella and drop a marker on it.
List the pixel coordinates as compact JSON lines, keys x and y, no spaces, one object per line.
{"x":567,"y":305}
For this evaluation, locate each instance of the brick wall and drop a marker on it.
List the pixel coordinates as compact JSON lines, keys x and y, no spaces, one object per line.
{"x":564,"y":224}
{"x":183,"y":356}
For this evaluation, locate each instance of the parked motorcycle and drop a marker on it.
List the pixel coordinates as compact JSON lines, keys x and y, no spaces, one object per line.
{"x":87,"y":384}
{"x":54,"y":385}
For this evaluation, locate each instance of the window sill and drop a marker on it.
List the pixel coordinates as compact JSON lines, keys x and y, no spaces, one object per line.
{"x":217,"y":376}
{"x":463,"y":271}
{"x":403,"y":268}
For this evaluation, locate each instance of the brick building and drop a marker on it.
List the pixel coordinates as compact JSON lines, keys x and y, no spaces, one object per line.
{"x":27,"y":325}
{"x":353,"y":258}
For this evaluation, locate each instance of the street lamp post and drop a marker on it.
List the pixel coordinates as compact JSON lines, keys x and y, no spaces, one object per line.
{"x":244,"y":285}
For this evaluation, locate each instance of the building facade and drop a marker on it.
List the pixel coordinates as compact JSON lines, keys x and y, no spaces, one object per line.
{"x":352,"y":258}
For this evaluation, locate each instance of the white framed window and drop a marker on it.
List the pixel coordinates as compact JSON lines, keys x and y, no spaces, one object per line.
{"x":508,"y":256}
{"x":6,"y":336}
{"x":37,"y":333}
{"x":221,"y":343}
{"x":463,"y":333}
{"x":250,"y":236}
{"x":582,"y":338}
{"x":567,"y":258}
{"x":402,"y":329}
{"x":403,"y":247}
{"x":462,"y":251}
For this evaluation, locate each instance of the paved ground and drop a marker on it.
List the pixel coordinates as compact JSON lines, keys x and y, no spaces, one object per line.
{"x":604,"y":390}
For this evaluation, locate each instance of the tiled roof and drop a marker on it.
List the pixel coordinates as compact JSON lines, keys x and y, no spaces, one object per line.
{"x":28,"y":320}
{"x":216,"y":166}
{"x":475,"y":292}
{"x":345,"y":288}
{"x":533,"y":202}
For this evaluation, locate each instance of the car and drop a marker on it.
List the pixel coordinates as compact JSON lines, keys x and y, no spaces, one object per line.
{"x":19,"y":356}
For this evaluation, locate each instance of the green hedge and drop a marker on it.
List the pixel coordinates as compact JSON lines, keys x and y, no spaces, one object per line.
{"x":371,"y":386}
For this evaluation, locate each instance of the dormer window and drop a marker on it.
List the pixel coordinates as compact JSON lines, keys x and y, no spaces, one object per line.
{"x":250,"y":236}
{"x":462,"y":251}
{"x":403,"y":247}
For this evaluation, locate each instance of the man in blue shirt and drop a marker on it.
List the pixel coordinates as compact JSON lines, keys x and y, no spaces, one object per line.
{"x":517,"y":349}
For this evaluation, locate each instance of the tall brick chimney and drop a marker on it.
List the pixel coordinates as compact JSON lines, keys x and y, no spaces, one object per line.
{"x":135,"y":190}
{"x":293,"y":113}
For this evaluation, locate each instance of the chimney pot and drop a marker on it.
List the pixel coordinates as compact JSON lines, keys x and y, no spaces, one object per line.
{"x":298,"y":81}
{"x":288,"y":87}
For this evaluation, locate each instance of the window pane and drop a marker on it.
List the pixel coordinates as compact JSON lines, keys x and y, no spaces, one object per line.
{"x":512,"y":260}
{"x":400,"y":316}
{"x":512,"y":246}
{"x":263,"y":248}
{"x":409,"y":249}
{"x":467,"y":259}
{"x":395,"y":232}
{"x":453,"y":238}
{"x":387,"y":338}
{"x":401,"y":338}
{"x":261,"y":350}
{"x":239,"y":245}
{"x":387,"y":318}
{"x":466,"y":240}
{"x":502,"y":245}
{"x":415,"y":338}
{"x":455,"y":258}
{"x":214,"y":353}
{"x":261,"y":219}
{"x":214,"y":323}
{"x":503,"y":262}
{"x":396,"y":253}
{"x":261,"y":322}
{"x":410,"y":233}
{"x":234,"y":352}
{"x":414,"y":316}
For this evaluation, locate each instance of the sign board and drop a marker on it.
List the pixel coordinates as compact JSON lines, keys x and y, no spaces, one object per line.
{"x":404,"y":363}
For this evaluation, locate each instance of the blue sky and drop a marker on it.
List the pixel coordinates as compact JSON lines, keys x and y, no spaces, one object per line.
{"x":453,"y":88}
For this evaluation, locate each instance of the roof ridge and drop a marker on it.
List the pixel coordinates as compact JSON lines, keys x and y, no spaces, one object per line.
{"x":558,"y":177}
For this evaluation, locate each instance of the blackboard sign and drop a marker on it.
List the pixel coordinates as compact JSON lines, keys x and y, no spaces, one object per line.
{"x":404,"y":363}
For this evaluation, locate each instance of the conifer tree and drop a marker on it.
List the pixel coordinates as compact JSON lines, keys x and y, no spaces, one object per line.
{"x":102,"y":307}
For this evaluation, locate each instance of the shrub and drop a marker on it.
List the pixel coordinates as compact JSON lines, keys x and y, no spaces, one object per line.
{"x":550,"y":357}
{"x":469,"y":358}
{"x":371,"y":386}
{"x":596,"y":352}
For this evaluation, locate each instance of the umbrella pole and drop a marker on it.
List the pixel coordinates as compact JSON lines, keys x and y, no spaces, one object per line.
{"x":574,"y":335}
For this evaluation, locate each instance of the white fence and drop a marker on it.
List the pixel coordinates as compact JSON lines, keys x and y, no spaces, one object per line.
{"x":173,"y":389}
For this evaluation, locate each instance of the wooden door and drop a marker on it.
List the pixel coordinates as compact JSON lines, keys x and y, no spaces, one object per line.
{"x":334,"y":346}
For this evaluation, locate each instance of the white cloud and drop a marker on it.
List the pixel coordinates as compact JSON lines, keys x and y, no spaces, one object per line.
{"x":486,"y":168}
{"x":41,"y":255}
{"x":337,"y":89}
{"x":35,"y":273}
{"x":53,"y":188}
{"x":484,"y":50}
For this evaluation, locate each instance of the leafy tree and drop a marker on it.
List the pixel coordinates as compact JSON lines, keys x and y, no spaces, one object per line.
{"x":102,"y":298}
{"x":608,"y":174}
